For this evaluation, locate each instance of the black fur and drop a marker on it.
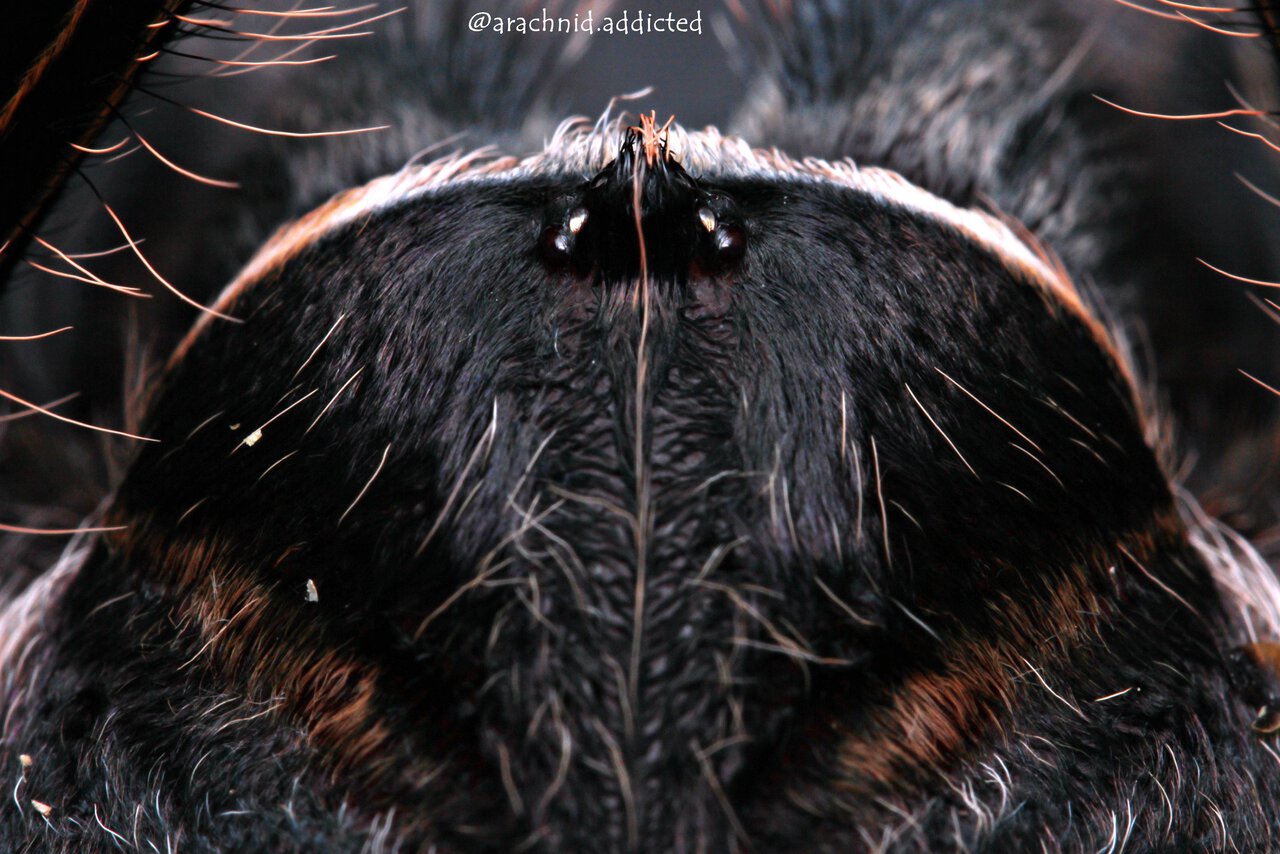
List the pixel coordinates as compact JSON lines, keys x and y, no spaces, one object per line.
{"x":679,"y":505}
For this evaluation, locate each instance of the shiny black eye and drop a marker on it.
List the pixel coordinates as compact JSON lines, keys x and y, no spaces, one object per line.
{"x":731,"y":244}
{"x":559,"y":237}
{"x":725,"y":239}
{"x":707,"y":218}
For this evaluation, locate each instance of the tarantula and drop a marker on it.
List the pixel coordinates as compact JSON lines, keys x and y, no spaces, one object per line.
{"x":894,"y":473}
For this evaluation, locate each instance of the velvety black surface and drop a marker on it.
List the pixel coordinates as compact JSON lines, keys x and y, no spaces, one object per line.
{"x":766,"y":516}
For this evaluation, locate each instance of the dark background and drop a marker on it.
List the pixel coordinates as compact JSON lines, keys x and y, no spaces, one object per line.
{"x":696,"y":78}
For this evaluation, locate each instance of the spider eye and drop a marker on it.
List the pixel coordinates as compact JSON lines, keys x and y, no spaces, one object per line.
{"x":707,"y":217}
{"x":559,"y":237}
{"x":731,"y":244}
{"x":725,"y":236}
{"x":556,"y":245}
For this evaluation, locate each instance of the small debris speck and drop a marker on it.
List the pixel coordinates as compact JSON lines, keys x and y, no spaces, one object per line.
{"x":313,"y":595}
{"x":42,"y":808}
{"x":252,"y":438}
{"x":25,"y":760}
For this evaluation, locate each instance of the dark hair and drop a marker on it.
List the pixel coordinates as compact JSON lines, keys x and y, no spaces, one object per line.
{"x":649,"y":489}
